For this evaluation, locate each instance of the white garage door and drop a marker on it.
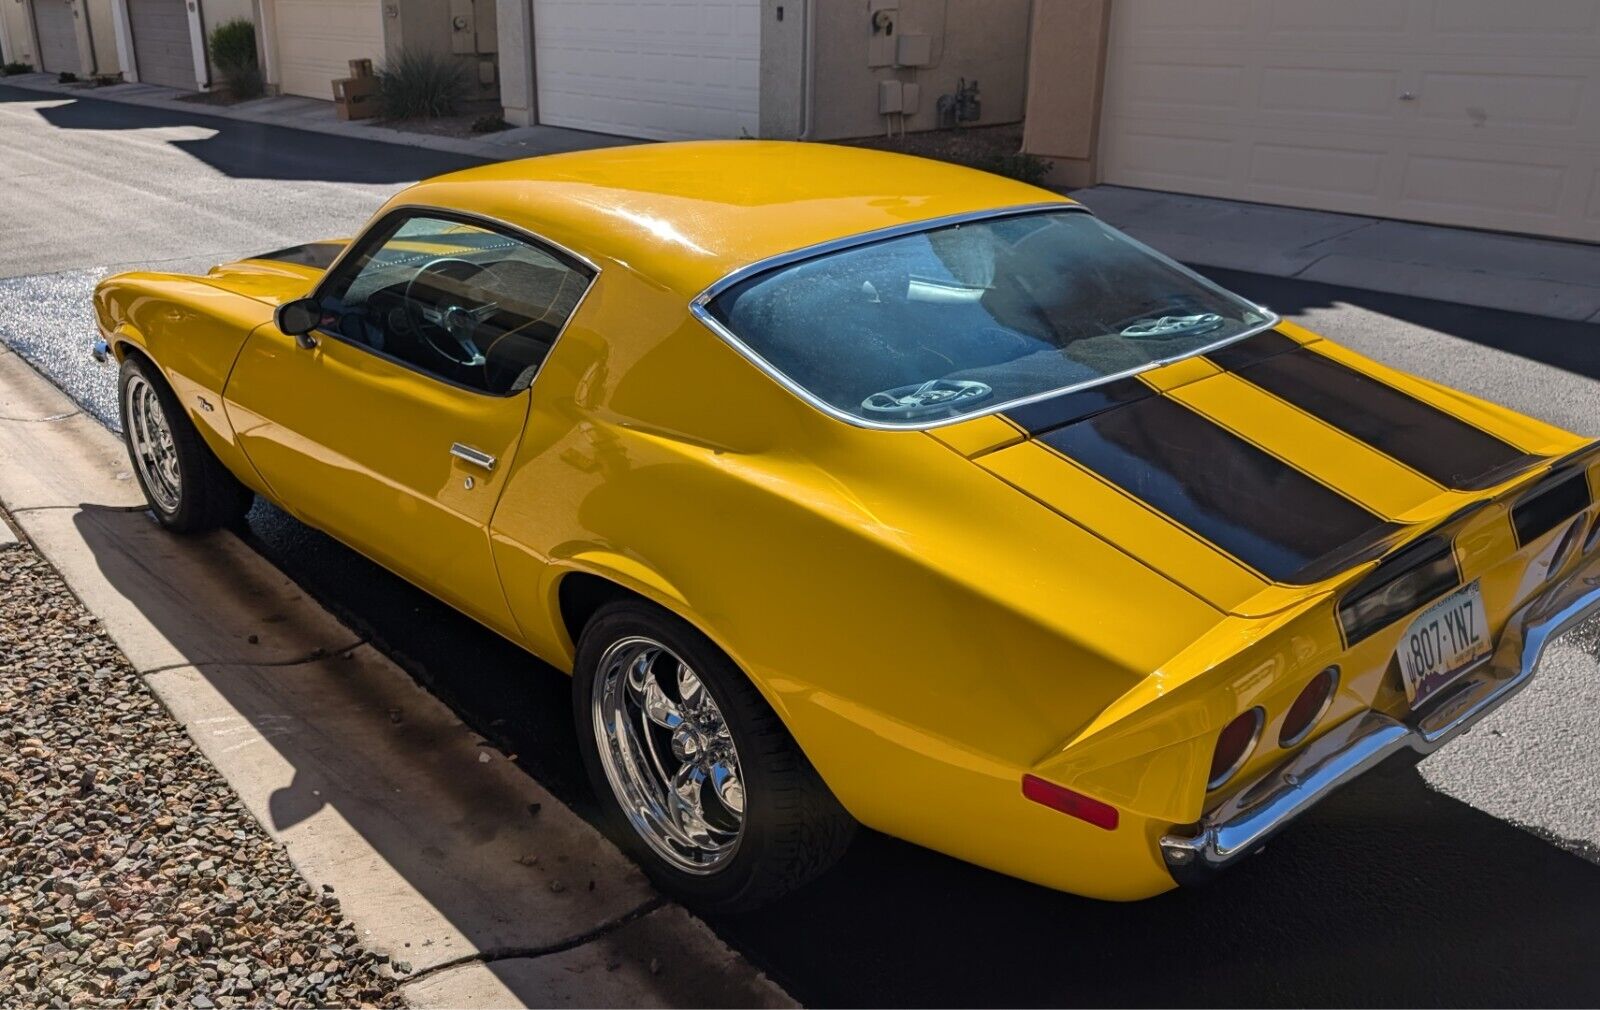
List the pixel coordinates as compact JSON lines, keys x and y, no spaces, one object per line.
{"x":317,"y":39}
{"x":1484,"y":113}
{"x":55,"y":24}
{"x":161,"y":48}
{"x":664,"y":69}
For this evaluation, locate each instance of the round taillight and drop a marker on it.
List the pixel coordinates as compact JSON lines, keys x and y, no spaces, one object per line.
{"x":1309,"y":708}
{"x":1234,"y":745}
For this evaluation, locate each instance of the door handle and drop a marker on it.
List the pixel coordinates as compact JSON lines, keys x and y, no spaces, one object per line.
{"x":467,"y":454}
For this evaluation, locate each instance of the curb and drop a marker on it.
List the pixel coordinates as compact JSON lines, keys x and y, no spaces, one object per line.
{"x":443,"y":853}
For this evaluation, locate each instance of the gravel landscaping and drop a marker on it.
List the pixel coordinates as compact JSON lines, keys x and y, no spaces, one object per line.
{"x":130,"y":873}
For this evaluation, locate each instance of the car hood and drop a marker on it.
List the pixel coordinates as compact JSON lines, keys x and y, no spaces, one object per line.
{"x":1263,"y":473}
{"x":278,"y":276}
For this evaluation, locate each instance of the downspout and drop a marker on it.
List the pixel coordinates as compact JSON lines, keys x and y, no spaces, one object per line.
{"x":205,"y":41}
{"x":808,"y":85}
{"x":94,"y":51}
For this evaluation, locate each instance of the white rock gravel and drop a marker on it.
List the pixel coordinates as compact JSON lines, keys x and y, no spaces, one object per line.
{"x":130,"y":873}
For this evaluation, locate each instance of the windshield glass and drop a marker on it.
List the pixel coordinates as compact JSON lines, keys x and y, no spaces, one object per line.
{"x":966,"y":318}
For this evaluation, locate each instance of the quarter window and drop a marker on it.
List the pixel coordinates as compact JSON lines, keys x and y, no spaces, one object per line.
{"x":466,"y":303}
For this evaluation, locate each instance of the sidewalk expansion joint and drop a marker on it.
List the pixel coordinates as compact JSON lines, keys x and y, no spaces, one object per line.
{"x":313,"y":656}
{"x":41,"y":420}
{"x":494,"y":954}
{"x":82,"y":507}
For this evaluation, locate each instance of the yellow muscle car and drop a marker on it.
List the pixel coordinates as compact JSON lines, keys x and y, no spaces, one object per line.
{"x":857,"y":488}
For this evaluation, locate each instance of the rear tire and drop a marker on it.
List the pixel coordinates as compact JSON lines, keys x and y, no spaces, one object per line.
{"x":778,"y":826}
{"x":188,"y":488}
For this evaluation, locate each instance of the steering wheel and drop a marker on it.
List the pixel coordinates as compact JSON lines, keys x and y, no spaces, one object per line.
{"x":443,"y":325}
{"x":921,"y":399}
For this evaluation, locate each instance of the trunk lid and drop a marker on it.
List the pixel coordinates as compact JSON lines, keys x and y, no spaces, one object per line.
{"x":1265,"y":472}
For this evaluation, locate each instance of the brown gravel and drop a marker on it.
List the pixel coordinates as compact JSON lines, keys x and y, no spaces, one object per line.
{"x":130,"y":873}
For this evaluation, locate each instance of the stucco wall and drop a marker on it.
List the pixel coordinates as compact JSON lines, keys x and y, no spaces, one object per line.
{"x":19,"y":36}
{"x":426,"y":26}
{"x":1067,"y":80}
{"x":986,"y":40}
{"x":103,"y":34}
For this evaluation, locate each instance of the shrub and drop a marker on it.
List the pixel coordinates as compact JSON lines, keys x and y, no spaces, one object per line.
{"x":1028,"y":168}
{"x":419,"y":84}
{"x":66,"y":77}
{"x":492,"y":123}
{"x":233,"y":52}
{"x":16,"y":67}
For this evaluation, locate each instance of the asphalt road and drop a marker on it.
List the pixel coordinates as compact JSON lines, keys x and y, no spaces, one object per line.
{"x":1468,"y":879}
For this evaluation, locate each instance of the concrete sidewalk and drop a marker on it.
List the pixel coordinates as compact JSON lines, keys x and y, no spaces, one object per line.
{"x":318,"y":117}
{"x":1545,"y":277}
{"x":444,"y":854}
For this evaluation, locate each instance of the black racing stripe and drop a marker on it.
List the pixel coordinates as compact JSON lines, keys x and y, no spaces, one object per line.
{"x":1250,"y":350}
{"x":1244,"y":500}
{"x":1064,"y":408}
{"x":313,"y":254}
{"x":1443,"y":448}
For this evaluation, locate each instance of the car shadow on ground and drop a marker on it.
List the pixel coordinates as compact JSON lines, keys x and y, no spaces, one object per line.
{"x":1389,"y":894}
{"x":453,"y":852}
{"x":245,"y":150}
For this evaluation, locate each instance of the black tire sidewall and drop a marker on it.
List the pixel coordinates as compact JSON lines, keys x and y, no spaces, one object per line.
{"x":208,"y":495}
{"x":726,"y":886}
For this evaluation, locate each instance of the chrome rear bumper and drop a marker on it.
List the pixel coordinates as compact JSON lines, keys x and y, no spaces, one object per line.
{"x":1242,"y":824}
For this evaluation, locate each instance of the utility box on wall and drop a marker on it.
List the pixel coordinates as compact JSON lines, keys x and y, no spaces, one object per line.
{"x":465,"y":29}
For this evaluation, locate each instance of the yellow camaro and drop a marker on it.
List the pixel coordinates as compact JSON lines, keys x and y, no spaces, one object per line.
{"x":860,"y":488}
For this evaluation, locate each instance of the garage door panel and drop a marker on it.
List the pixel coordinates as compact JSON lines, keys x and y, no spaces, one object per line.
{"x":1517,"y":99}
{"x":57,"y":30}
{"x":162,"y":52}
{"x":1330,"y":91}
{"x":317,"y":39}
{"x":649,"y":68}
{"x":1497,"y":18}
{"x":1457,"y":127}
{"x":1289,"y":167}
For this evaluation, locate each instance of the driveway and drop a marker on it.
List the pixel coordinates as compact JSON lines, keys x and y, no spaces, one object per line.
{"x":1469,"y":878}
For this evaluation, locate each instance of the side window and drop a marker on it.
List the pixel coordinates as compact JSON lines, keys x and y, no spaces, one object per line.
{"x":456,"y":300}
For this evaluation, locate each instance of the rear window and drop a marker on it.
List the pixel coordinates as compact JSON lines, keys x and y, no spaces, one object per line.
{"x":967,"y":318}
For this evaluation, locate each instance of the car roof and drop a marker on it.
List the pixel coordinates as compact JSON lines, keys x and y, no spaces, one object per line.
{"x":687,"y":214}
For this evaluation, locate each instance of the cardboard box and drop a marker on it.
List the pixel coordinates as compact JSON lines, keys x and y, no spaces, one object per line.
{"x":355,"y":97}
{"x":360,"y":68}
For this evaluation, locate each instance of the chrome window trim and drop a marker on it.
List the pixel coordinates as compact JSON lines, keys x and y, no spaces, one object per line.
{"x":699,"y":308}
{"x":493,"y":224}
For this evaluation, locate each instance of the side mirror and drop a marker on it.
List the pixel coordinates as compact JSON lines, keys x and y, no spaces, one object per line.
{"x":298,"y":318}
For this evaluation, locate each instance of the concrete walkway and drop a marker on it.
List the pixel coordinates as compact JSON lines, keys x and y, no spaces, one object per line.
{"x":443,"y":853}
{"x":1545,"y":277}
{"x":318,"y":117}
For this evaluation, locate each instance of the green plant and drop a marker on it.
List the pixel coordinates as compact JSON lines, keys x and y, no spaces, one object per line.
{"x":1028,"y":168}
{"x":233,"y":52}
{"x":16,"y":67}
{"x":492,"y":123}
{"x":420,"y":84}
{"x":66,"y":77}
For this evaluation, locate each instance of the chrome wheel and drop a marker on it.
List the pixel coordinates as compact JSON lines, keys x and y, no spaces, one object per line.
{"x":150,"y":437}
{"x":668,"y":755}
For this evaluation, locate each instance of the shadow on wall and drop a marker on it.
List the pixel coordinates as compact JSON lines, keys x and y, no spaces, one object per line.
{"x":244,"y":150}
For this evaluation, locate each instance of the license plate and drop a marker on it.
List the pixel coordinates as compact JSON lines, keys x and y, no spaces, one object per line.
{"x":1442,"y":642}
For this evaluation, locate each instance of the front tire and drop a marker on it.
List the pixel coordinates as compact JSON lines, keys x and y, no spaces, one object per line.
{"x":188,"y":488}
{"x":701,"y":783}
